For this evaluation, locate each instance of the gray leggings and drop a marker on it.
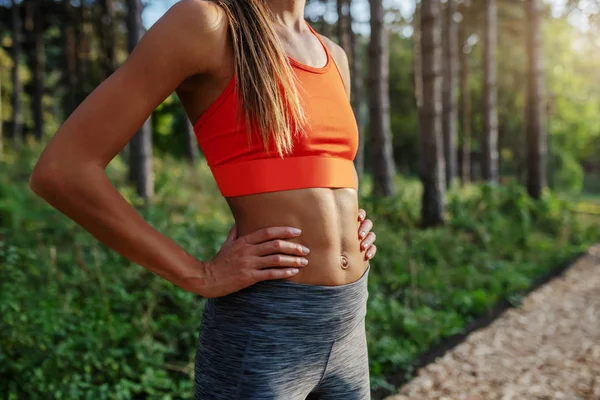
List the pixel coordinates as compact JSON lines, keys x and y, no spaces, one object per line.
{"x":280,"y":340}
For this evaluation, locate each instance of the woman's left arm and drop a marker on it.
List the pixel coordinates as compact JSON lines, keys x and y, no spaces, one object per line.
{"x":365,"y":235}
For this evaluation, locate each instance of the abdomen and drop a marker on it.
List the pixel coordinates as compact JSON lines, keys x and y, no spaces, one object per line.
{"x":329,"y":222}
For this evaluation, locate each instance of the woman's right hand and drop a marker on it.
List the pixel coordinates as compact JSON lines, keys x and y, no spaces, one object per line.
{"x":257,"y":256}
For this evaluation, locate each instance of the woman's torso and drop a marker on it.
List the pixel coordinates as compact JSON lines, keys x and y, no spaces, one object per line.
{"x":327,"y":217}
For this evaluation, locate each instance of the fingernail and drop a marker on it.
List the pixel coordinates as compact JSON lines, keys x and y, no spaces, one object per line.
{"x":296,"y":231}
{"x":369,"y":255}
{"x":362,"y":234}
{"x":305,"y":250}
{"x":294,"y":271}
{"x":304,"y":261}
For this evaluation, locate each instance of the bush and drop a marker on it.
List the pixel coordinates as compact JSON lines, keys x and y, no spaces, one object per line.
{"x":78,"y":321}
{"x":569,"y":176}
{"x":429,"y":284}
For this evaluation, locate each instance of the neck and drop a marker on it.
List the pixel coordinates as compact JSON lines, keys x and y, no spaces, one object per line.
{"x":287,"y":12}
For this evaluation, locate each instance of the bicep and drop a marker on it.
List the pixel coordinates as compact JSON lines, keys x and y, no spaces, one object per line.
{"x":111,"y":115}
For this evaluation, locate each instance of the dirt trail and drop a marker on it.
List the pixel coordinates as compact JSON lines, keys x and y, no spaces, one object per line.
{"x":549,"y":348}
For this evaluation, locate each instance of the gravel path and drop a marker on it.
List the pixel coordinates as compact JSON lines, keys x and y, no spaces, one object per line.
{"x":549,"y":348}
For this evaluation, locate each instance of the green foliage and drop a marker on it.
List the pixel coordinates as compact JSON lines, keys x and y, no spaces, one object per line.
{"x":168,"y":127}
{"x":428,"y":284}
{"x":79,"y":321}
{"x":567,"y":174}
{"x":6,"y":84}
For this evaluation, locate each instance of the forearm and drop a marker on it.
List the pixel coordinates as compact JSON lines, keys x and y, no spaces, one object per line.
{"x":88,"y":197}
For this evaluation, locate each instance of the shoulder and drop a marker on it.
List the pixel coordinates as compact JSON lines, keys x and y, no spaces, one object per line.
{"x":341,"y":59}
{"x":199,"y":15}
{"x":196,"y":14}
{"x":194,"y":28}
{"x":189,"y":18}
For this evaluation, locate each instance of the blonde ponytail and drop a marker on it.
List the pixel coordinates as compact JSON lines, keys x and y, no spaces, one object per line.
{"x":265,"y":79}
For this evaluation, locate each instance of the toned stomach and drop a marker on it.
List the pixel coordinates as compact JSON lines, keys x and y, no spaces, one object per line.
{"x":328,"y":219}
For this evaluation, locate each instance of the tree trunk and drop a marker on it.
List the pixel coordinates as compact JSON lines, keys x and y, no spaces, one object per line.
{"x":140,"y":147}
{"x":418,"y":62}
{"x":449,"y":125}
{"x":379,"y":105}
{"x":489,"y":142}
{"x":344,"y":25}
{"x":327,"y":27}
{"x":536,"y":130}
{"x":191,"y":143}
{"x":140,"y":162}
{"x":83,"y":50}
{"x":431,"y":157}
{"x":70,"y":53}
{"x":1,"y":116}
{"x":17,"y":27}
{"x":465,"y":147}
{"x":106,"y":37}
{"x":35,"y":27}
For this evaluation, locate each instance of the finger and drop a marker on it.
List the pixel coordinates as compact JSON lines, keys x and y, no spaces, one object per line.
{"x":280,"y":260}
{"x":274,"y":232}
{"x":368,"y":241}
{"x":274,"y":273}
{"x":280,"y":246}
{"x":362,"y":214}
{"x":232,"y":235}
{"x":371,"y":252}
{"x":365,"y":228}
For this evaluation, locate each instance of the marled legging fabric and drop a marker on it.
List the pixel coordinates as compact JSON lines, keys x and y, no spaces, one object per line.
{"x":280,"y":340}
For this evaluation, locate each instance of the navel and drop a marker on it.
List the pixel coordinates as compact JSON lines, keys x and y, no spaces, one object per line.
{"x":344,"y":263}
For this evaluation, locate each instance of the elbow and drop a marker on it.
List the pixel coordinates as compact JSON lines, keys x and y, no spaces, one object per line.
{"x":54,"y":180}
{"x":51,"y":179}
{"x":42,"y":180}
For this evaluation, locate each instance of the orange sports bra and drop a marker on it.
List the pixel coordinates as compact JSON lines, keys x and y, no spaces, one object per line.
{"x":321,"y":158}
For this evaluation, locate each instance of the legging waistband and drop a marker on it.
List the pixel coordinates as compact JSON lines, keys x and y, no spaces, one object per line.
{"x":283,"y":306}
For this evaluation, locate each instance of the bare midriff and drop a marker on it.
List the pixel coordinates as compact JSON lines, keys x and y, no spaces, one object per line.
{"x":328,"y":219}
